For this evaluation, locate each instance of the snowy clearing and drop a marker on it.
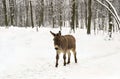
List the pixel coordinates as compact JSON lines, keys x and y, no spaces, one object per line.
{"x":27,"y":54}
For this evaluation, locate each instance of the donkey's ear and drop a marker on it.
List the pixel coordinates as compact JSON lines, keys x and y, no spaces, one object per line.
{"x":52,"y":33}
{"x":59,"y":32}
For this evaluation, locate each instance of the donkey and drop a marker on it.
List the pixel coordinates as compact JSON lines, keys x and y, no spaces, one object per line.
{"x":64,"y":44}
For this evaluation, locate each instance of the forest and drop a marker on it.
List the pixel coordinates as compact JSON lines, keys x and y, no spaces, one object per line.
{"x":88,"y":14}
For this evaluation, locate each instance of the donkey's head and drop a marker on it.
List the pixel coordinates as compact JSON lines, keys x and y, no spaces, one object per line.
{"x":56,"y":39}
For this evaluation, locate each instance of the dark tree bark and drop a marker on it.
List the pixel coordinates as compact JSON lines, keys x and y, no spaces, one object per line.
{"x":5,"y":12}
{"x":11,"y":5}
{"x":27,"y":9}
{"x":15,"y":13}
{"x":89,"y":17}
{"x":61,"y":21}
{"x":41,"y":21}
{"x":52,"y":11}
{"x":77,"y":24}
{"x":86,"y":12}
{"x":73,"y":16}
{"x":110,"y":24}
{"x":20,"y":16}
{"x":61,"y":18}
{"x":31,"y":12}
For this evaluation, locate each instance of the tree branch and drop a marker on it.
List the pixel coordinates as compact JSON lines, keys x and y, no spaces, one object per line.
{"x":114,"y":14}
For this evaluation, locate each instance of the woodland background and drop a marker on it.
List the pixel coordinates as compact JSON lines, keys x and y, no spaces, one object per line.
{"x":88,"y":14}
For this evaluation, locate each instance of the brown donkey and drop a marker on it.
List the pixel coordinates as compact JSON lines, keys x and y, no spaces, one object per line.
{"x":64,"y":44}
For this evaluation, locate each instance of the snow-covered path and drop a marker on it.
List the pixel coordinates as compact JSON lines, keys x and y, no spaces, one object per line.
{"x":27,"y":54}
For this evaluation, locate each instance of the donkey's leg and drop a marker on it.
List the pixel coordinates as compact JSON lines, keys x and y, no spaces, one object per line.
{"x":64,"y":57}
{"x":69,"y":54}
{"x":74,"y":52}
{"x":75,"y":57}
{"x":57,"y":58}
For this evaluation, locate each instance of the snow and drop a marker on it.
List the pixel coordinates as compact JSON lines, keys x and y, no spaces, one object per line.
{"x":28,"y":54}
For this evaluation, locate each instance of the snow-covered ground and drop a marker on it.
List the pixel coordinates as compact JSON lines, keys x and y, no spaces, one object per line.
{"x":27,"y":54}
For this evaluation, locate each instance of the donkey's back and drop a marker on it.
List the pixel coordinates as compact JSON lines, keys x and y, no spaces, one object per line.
{"x":70,"y":42}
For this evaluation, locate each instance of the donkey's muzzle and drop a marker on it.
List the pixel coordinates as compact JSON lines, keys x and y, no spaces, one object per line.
{"x":56,"y":48}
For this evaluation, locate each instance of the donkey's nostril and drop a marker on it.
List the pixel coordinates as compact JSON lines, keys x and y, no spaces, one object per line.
{"x":56,"y":48}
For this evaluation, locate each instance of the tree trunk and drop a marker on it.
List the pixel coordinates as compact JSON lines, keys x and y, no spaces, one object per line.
{"x":11,"y":4}
{"x":86,"y":13}
{"x":89,"y":17}
{"x":110,"y":25}
{"x":42,"y":13}
{"x":61,"y":21}
{"x":31,"y":12}
{"x":77,"y":24}
{"x":73,"y":17}
{"x":82,"y":16}
{"x":27,"y":8}
{"x":52,"y":11}
{"x":5,"y":12}
{"x":61,"y":18}
{"x":15,"y":12}
{"x":20,"y":16}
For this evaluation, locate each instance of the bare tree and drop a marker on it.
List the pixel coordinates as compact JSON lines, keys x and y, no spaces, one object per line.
{"x":86,"y":12}
{"x":52,"y":13}
{"x":110,"y":24}
{"x":5,"y":12}
{"x":27,"y":9}
{"x":11,"y":6}
{"x":73,"y":16}
{"x":31,"y":13}
{"x":89,"y":17}
{"x":76,"y":11}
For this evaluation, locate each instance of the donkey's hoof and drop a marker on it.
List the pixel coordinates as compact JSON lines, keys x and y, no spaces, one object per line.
{"x":75,"y":60}
{"x":64,"y":64}
{"x":68,"y":62}
{"x":56,"y":65}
